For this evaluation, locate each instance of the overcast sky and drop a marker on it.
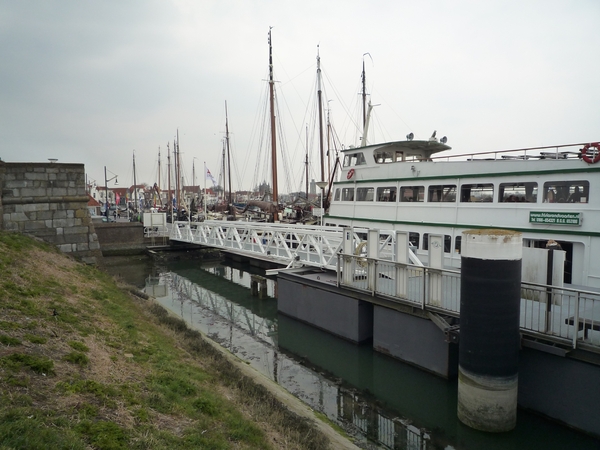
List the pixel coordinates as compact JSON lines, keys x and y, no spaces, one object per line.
{"x":95,"y":81}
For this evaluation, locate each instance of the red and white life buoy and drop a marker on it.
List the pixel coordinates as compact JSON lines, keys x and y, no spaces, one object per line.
{"x":350,"y":174}
{"x":593,"y":156}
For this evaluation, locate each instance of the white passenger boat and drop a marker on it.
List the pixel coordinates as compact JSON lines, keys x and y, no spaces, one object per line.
{"x":546,"y":193}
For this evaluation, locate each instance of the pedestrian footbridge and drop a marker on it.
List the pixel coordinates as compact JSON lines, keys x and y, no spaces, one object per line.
{"x":381,"y":264}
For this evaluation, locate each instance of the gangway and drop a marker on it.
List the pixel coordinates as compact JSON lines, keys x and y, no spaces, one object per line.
{"x":390,"y":270}
{"x":286,"y":244}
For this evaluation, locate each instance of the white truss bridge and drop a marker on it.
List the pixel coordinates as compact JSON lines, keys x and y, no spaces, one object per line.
{"x":286,"y":244}
{"x":381,"y":263}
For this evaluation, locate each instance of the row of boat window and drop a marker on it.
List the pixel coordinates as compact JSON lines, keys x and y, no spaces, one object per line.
{"x":382,"y":157}
{"x":414,"y":240}
{"x":552,"y":192}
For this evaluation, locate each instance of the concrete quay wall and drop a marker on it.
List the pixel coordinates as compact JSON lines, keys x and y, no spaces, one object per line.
{"x":49,"y":201}
{"x":122,"y":238}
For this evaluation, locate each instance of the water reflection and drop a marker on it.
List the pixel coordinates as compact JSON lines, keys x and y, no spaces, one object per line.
{"x":382,"y":402}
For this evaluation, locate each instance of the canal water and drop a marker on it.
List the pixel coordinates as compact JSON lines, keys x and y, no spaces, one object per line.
{"x":381,"y":402}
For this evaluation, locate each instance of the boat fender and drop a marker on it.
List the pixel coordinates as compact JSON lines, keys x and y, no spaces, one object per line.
{"x":350,"y":174}
{"x":590,"y":157}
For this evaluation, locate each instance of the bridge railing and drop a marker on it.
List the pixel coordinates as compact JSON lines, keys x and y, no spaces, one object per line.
{"x":564,"y":315}
{"x":312,"y":245}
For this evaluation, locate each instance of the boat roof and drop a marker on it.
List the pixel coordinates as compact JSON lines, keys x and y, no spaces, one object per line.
{"x":426,"y":148}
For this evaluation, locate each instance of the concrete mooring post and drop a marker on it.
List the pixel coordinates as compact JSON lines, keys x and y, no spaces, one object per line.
{"x":489,"y":329}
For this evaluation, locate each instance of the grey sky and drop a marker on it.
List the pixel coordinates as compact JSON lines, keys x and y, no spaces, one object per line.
{"x":92,"y":81}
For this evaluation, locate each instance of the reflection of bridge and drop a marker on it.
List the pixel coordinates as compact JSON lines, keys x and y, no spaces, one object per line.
{"x":343,"y":405}
{"x":381,"y":264}
{"x":260,"y":327}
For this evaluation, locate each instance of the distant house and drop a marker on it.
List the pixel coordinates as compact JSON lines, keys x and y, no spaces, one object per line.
{"x":94,"y":207}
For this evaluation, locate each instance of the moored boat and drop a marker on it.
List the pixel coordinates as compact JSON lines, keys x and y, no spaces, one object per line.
{"x":546,"y":193}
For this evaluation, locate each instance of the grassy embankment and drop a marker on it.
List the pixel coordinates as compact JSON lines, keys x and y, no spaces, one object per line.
{"x":85,"y":364}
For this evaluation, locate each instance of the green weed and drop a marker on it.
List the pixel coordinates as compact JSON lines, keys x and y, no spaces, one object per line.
{"x":79,"y":346}
{"x":35,"y":339}
{"x":38,"y":364}
{"x":9,"y":340}
{"x":77,"y":358}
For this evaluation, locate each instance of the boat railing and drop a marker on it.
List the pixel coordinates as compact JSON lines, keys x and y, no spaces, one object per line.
{"x":562,"y":315}
{"x":567,"y":151}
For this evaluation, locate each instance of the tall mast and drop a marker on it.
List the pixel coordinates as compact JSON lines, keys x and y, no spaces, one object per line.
{"x":223,"y":170}
{"x":320,"y":115}
{"x":328,"y":147}
{"x":135,"y":183}
{"x":178,"y":173}
{"x":169,"y":199}
{"x":366,"y":110}
{"x":364,"y":94}
{"x":306,"y":165}
{"x":228,"y":153}
{"x":159,"y":166}
{"x":273,"y":131}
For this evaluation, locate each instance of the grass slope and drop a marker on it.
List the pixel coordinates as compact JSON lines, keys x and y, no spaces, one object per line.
{"x":85,"y":364}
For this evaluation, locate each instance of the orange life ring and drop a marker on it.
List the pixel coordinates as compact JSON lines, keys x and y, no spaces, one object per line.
{"x":350,"y":174}
{"x":591,"y":157}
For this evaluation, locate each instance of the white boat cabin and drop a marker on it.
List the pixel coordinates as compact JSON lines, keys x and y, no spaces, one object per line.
{"x":545,"y":193}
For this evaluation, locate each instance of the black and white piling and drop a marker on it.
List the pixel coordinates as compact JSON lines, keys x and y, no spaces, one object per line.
{"x":489,"y":329}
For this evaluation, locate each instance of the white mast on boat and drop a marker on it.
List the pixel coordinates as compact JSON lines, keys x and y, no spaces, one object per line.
{"x":366,"y":110}
{"x":275,"y":195}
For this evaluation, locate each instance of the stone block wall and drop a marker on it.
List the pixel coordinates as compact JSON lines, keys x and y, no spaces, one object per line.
{"x":49,"y":201}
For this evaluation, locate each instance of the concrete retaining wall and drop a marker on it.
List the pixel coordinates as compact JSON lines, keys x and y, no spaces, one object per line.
{"x":121,"y":238}
{"x":49,"y":201}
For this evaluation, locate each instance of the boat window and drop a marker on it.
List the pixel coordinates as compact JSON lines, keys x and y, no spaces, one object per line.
{"x":365,"y":194}
{"x":354,"y":159}
{"x":447,"y":242}
{"x":387,"y":156}
{"x":412,"y":193}
{"x":348,"y":194}
{"x":518,"y":192}
{"x":337,"y":195}
{"x":386,"y":194}
{"x":413,"y":240}
{"x":477,"y":192}
{"x":383,"y":156}
{"x":442,"y":193}
{"x":457,"y":244}
{"x":566,"y":191}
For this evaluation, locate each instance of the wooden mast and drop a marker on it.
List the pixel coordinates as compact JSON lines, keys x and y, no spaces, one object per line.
{"x":135,"y":184}
{"x":159,"y":166}
{"x":306,"y":165}
{"x":178,"y":174}
{"x":223,"y":170}
{"x":275,"y":195}
{"x":169,"y":199}
{"x":228,"y":154}
{"x":320,"y":115}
